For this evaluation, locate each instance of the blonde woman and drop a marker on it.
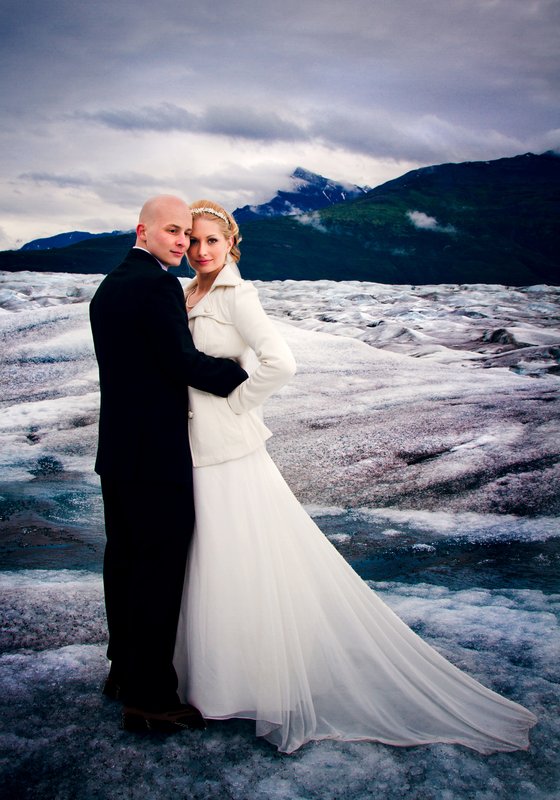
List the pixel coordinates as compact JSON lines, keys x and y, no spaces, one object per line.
{"x":275,"y":626}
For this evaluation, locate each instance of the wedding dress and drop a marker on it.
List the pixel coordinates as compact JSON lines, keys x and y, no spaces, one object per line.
{"x":276,"y":627}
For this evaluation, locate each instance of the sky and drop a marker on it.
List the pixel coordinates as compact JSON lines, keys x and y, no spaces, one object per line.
{"x":110,"y":102}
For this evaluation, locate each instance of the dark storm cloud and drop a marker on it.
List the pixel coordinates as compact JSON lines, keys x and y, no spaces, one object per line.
{"x":363,"y":45}
{"x":62,"y":181}
{"x":101,"y":187}
{"x":424,"y":138}
{"x":244,"y":123}
{"x":242,"y":69}
{"x":250,"y":123}
{"x":163,"y":117}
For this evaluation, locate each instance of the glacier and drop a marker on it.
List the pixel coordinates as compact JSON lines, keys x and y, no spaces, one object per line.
{"x":422,"y":434}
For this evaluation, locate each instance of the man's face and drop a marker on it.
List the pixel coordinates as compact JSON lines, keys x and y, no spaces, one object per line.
{"x":165,"y":232}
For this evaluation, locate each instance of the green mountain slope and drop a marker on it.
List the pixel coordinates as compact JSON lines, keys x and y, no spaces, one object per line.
{"x":491,"y":222}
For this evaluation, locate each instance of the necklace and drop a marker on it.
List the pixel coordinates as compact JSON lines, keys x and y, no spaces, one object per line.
{"x":191,"y":294}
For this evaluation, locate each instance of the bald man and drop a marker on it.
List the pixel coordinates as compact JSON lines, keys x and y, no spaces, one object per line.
{"x":147,"y":360}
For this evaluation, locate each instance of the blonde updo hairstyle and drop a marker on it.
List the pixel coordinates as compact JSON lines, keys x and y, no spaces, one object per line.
{"x":226,"y":222}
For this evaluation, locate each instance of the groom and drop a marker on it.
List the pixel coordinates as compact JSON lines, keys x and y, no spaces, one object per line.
{"x":147,"y":360}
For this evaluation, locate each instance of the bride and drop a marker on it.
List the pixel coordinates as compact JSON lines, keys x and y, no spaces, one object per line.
{"x":275,"y":626}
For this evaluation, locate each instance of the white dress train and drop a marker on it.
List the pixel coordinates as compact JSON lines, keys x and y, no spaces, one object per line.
{"x":275,"y":626}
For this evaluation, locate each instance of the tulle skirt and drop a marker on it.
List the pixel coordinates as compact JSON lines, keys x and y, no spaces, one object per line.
{"x":275,"y":626}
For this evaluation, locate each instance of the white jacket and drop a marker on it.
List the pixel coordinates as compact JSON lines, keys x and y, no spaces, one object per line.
{"x":230,"y":321}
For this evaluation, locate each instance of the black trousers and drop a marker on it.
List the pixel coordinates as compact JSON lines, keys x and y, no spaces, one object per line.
{"x":149,"y":528}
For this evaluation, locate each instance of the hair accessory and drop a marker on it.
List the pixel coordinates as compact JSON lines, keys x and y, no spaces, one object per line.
{"x":206,"y":210}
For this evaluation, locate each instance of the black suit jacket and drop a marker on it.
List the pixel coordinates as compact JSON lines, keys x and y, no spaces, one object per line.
{"x":147,"y":359}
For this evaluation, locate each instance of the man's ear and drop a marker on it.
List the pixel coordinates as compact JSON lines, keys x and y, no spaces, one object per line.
{"x":141,"y":231}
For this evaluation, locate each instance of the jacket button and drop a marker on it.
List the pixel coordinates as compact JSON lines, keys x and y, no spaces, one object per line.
{"x":190,"y":414}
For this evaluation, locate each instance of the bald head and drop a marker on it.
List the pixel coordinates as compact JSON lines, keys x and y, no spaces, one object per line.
{"x":161,"y":203}
{"x":164,"y":227}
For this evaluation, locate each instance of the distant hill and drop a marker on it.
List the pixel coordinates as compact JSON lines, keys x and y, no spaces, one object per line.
{"x":93,"y":255}
{"x":475,"y":222}
{"x":64,"y":239}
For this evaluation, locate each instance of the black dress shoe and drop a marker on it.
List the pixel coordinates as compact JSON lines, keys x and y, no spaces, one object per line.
{"x":178,"y":719}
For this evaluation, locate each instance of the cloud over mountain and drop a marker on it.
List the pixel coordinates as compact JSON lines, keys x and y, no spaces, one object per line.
{"x":427,"y":223}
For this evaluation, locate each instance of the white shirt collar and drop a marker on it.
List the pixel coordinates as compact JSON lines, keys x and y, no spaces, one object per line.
{"x":137,"y":247}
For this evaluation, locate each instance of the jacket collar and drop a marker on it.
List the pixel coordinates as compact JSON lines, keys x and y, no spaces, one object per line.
{"x":227,"y":276}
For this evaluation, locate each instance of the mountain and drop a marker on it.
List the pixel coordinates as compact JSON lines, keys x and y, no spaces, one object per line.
{"x":309,"y":192}
{"x":474,"y":222}
{"x":64,"y":240}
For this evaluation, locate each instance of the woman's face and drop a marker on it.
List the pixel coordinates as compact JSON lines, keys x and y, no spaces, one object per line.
{"x":208,"y":248}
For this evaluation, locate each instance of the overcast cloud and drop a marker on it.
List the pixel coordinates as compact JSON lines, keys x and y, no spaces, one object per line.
{"x":109,"y":102}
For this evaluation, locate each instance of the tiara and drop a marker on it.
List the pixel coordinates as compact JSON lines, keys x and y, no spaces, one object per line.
{"x":207,"y":210}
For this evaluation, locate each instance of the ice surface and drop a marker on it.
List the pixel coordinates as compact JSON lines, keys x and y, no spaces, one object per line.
{"x":424,"y":438}
{"x":61,"y":739}
{"x":425,"y":398}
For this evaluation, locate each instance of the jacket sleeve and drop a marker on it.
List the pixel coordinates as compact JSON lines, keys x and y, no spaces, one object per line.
{"x":176,"y":353}
{"x":276,"y":362}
